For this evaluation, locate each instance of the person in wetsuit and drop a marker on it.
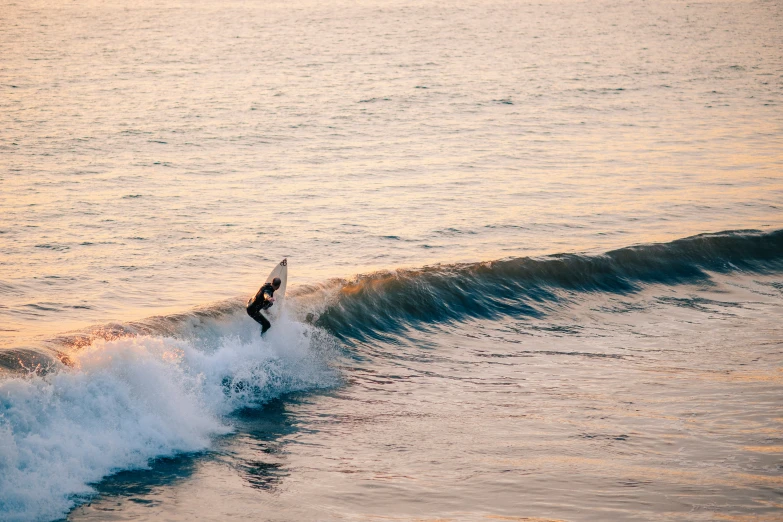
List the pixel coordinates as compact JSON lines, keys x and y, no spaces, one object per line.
{"x":262,"y":301}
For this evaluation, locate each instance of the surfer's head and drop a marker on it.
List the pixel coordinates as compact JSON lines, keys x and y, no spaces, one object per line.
{"x":276,"y":282}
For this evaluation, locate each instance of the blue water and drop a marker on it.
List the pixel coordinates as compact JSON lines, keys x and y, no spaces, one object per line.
{"x":535,"y":250}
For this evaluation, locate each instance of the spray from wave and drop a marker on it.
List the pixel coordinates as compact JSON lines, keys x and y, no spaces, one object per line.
{"x":124,"y":401}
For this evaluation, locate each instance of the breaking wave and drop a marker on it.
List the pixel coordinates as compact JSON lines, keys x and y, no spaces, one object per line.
{"x":121,"y":402}
{"x":112,"y":397}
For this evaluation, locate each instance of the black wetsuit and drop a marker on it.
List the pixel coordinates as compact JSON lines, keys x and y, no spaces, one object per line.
{"x":261,"y":302}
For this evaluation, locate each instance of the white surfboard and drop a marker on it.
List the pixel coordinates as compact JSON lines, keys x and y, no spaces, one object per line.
{"x":281,"y":271}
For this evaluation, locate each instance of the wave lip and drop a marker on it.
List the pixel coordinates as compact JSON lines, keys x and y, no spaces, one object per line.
{"x":124,"y":401}
{"x":375,"y":305}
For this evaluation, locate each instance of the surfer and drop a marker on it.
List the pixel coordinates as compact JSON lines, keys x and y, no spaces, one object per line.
{"x":263,"y":300}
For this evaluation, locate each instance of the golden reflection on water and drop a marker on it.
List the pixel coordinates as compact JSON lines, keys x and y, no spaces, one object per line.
{"x":458,"y":518}
{"x":137,"y":166}
{"x":523,"y":519}
{"x":747,"y":518}
{"x":766,"y":449}
{"x":707,"y":476}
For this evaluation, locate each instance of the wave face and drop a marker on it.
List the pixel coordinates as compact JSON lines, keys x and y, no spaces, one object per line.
{"x":376,"y":305}
{"x":124,"y":401}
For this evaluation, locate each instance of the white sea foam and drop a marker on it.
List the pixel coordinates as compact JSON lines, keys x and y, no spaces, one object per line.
{"x":126,"y":401}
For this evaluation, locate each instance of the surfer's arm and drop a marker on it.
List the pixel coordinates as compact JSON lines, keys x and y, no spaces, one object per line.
{"x":267,"y":297}
{"x":261,"y":297}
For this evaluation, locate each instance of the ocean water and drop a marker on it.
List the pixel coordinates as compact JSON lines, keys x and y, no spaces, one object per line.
{"x":535,"y":260}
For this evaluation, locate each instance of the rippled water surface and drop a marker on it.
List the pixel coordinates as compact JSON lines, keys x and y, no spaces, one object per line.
{"x":534,"y":330}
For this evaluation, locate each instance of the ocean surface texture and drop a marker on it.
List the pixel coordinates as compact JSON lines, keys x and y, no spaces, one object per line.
{"x":535,"y":260}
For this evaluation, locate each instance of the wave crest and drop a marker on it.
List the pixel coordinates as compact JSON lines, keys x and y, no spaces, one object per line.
{"x":374,"y":305}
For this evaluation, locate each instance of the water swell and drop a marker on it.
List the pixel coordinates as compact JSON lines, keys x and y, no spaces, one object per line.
{"x":375,"y":305}
{"x":372,"y":305}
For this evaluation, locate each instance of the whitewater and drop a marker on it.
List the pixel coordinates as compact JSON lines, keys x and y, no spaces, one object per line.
{"x":535,"y":248}
{"x":121,"y":402}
